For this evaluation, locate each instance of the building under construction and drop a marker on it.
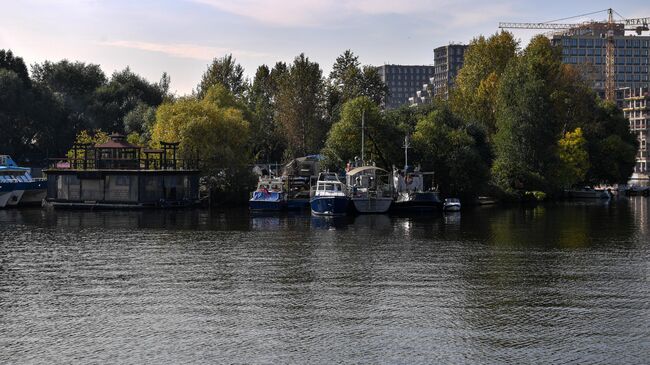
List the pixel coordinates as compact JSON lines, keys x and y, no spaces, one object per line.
{"x":636,"y":106}
{"x":612,"y":54}
{"x":586,"y":48}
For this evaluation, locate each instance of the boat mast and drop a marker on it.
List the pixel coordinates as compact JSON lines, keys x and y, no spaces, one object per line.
{"x":406,"y":149}
{"x":363,"y":127}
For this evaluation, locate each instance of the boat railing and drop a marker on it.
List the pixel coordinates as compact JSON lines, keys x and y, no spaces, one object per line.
{"x":122,"y":164}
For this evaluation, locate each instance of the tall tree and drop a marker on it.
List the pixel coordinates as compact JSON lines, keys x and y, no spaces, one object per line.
{"x":225,"y":71}
{"x":16,"y":64}
{"x":348,"y":80}
{"x":74,"y":83}
{"x":474,"y":98}
{"x":299,"y":106}
{"x":344,"y":139}
{"x":123,"y":93}
{"x":455,"y":151}
{"x":267,"y":142}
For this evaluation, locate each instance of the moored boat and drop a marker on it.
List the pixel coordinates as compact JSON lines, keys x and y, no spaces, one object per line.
{"x":451,"y":205}
{"x":588,"y":193}
{"x":270,"y":195}
{"x":329,"y":197}
{"x":410,"y":193}
{"x":369,"y":193}
{"x":17,"y":186}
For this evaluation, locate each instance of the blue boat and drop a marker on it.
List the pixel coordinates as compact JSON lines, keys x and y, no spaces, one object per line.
{"x":330,"y":197}
{"x":17,"y":187}
{"x":269,"y":196}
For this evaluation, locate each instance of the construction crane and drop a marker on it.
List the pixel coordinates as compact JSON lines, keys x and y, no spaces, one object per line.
{"x":638,"y":25}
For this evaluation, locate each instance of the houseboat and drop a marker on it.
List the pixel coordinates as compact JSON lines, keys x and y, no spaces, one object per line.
{"x":118,"y":174}
{"x":17,"y":186}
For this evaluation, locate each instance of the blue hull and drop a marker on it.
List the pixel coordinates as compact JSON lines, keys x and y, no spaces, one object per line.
{"x":259,"y":205}
{"x":297,"y":204}
{"x":334,"y":205}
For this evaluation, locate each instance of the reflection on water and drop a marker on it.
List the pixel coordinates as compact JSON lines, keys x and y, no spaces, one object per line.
{"x":559,"y":283}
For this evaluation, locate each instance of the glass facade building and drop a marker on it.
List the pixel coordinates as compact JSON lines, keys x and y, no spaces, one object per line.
{"x":403,"y":81}
{"x":588,"y":53}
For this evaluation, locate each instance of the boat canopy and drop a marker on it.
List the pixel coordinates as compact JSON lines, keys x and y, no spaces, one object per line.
{"x":361,"y":169}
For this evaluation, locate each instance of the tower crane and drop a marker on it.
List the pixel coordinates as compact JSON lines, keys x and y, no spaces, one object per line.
{"x":609,"y":27}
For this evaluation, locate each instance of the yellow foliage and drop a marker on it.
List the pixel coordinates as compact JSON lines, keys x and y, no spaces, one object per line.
{"x":217,"y":134}
{"x":572,"y":151}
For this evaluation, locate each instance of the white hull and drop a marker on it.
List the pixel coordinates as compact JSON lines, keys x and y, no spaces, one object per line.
{"x":4,"y":198}
{"x":16,"y":195}
{"x":451,"y":208}
{"x":372,"y":205}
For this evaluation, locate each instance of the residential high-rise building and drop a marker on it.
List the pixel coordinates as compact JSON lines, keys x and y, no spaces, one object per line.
{"x":448,"y":60}
{"x":402,"y":82}
{"x":636,"y":107}
{"x":586,"y":48}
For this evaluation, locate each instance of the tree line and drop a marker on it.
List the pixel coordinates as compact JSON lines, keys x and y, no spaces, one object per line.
{"x":518,"y":120}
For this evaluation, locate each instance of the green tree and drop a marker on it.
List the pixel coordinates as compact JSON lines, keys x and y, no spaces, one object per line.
{"x":455,"y":151}
{"x":474,"y":97}
{"x":16,"y":64}
{"x":74,"y":84}
{"x":527,"y":134}
{"x":348,"y":80}
{"x":139,"y":121}
{"x":344,"y":139}
{"x":218,"y":133}
{"x":267,"y":143}
{"x":225,"y":71}
{"x":299,"y":107}
{"x":123,"y":93}
{"x":612,"y":147}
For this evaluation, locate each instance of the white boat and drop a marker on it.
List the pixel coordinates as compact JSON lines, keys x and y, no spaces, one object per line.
{"x":17,"y":185}
{"x":588,"y":193}
{"x":270,"y":195}
{"x":410,"y":193}
{"x":369,"y":192}
{"x":451,"y":205}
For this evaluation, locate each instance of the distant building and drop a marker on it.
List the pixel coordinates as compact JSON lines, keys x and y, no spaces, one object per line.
{"x":636,"y":107}
{"x":587,"y":48}
{"x":402,"y":82}
{"x":448,"y":60}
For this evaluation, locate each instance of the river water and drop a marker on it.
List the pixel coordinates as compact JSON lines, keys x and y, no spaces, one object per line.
{"x":560,"y":283}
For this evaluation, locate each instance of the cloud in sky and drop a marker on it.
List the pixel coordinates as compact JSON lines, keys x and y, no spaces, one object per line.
{"x":193,"y":51}
{"x":321,"y":13}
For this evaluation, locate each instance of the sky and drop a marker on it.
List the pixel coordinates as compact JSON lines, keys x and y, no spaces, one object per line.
{"x":181,"y":37}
